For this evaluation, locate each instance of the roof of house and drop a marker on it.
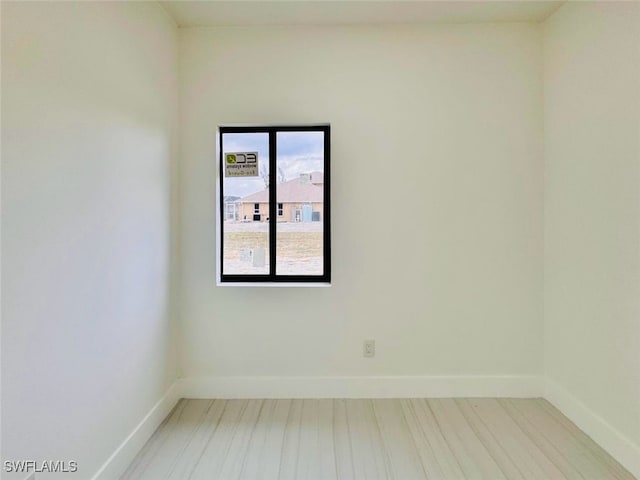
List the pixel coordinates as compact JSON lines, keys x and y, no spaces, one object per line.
{"x":294,"y":191}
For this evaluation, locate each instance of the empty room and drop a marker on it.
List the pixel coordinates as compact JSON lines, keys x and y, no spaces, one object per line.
{"x":316,"y":239}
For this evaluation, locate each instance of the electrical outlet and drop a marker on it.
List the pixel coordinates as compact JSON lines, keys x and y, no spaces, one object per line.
{"x":369,"y":348}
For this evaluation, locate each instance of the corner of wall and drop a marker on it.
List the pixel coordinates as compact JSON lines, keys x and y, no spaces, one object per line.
{"x":121,"y":458}
{"x":614,"y":442}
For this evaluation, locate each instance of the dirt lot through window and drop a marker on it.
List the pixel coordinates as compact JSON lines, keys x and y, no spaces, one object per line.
{"x":299,"y":247}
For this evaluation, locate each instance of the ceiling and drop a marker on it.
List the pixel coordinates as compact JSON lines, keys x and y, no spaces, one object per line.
{"x":188,"y":13}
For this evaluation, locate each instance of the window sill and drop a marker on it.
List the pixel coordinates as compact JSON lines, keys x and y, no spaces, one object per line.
{"x":272,"y":284}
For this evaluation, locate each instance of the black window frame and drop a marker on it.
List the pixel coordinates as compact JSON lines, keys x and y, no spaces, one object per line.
{"x":272,"y":277}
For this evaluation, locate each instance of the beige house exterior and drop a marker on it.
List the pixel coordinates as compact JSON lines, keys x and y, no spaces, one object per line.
{"x":298,"y":200}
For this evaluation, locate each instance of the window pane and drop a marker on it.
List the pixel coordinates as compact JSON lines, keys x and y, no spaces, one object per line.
{"x":245,"y":243}
{"x":300,"y":190}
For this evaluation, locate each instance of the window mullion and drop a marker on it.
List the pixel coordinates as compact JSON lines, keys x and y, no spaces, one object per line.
{"x":272,"y":203}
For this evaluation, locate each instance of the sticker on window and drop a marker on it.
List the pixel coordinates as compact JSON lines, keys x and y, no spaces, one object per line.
{"x":241,"y":164}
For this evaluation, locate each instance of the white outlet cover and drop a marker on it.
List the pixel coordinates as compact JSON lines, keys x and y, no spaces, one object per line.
{"x":369,"y":348}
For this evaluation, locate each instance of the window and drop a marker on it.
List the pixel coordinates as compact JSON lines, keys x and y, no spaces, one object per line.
{"x":277,"y":179}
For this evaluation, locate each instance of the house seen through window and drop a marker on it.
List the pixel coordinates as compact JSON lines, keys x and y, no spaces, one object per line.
{"x":274,"y":204}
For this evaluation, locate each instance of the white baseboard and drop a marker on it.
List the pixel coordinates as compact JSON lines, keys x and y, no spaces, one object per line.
{"x":362,"y":387}
{"x":118,"y":462}
{"x":619,"y":447}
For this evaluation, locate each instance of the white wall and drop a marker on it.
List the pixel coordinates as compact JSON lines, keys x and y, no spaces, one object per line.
{"x":437,"y":199}
{"x":89,"y":101}
{"x":592,"y":209}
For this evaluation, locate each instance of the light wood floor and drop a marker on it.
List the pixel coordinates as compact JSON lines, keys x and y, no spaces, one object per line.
{"x":490,"y":439}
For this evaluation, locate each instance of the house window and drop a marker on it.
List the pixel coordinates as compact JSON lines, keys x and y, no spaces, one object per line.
{"x":279,"y":179}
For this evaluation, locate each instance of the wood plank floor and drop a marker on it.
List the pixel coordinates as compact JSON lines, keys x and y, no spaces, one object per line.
{"x":492,"y":439}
